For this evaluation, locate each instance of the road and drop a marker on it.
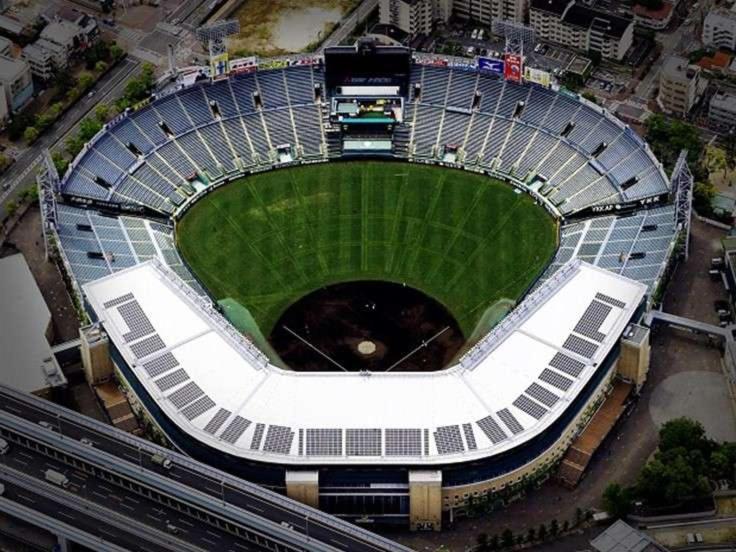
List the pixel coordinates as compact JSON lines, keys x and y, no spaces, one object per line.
{"x":347,"y":25}
{"x":226,"y":489}
{"x":109,"y":87}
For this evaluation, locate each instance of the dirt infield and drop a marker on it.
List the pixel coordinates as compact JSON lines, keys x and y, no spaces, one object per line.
{"x":367,"y":326}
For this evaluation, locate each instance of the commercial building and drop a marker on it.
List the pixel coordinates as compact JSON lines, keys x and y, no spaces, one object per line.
{"x":58,"y":41}
{"x":16,"y":80}
{"x":28,"y":362}
{"x":719,"y":29}
{"x":45,"y":58}
{"x":487,"y":11}
{"x":722,"y":110}
{"x":657,"y":20}
{"x":680,"y":86}
{"x":577,"y":26}
{"x":411,"y":16}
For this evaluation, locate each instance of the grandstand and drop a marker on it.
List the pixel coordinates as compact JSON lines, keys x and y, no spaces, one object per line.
{"x":366,"y":442}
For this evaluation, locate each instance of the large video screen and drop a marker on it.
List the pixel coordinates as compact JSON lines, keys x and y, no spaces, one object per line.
{"x":367,"y":65}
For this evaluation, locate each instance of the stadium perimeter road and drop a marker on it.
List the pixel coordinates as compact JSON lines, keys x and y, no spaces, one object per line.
{"x":620,"y":458}
{"x":100,"y":491}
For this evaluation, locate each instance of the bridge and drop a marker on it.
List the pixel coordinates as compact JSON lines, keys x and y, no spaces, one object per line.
{"x":688,"y":324}
{"x":118,"y":497}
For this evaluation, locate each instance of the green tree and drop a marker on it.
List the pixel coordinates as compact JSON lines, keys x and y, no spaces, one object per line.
{"x":64,"y":81}
{"x":60,"y":162}
{"x":11,"y":207}
{"x":18,"y":125}
{"x":617,"y":500}
{"x":102,"y":113}
{"x":116,"y":52}
{"x":73,"y":145}
{"x":4,"y":162}
{"x":542,"y":532}
{"x":100,"y":66}
{"x":507,"y":538}
{"x":554,"y":528}
{"x":88,"y":128}
{"x":565,"y":526}
{"x":30,"y":135}
{"x":86,"y":81}
{"x":683,"y":433}
{"x":703,"y":194}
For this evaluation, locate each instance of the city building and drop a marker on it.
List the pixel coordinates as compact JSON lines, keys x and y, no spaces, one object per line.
{"x":657,"y":20}
{"x":577,"y":26}
{"x":680,"y":85}
{"x":621,"y":537}
{"x":6,"y":47}
{"x":45,"y":58}
{"x":722,"y":109}
{"x":58,"y":41}
{"x":16,"y":79}
{"x":486,"y":11}
{"x":719,"y":29}
{"x":27,"y":331}
{"x":411,"y":16}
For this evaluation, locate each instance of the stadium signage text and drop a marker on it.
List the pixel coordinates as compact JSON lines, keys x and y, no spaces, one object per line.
{"x":491,"y":65}
{"x":622,"y":208}
{"x":513,"y":67}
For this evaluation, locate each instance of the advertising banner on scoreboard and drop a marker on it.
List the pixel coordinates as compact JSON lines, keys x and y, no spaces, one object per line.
{"x":513,"y":67}
{"x":218,"y":65}
{"x":537,"y":76}
{"x":491,"y":65}
{"x":244,"y":65}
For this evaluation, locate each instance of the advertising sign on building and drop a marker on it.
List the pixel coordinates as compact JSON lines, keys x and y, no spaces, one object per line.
{"x":513,"y":67}
{"x":491,"y":65}
{"x":537,"y":76}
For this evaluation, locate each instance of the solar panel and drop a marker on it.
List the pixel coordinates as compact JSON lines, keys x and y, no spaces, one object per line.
{"x":403,"y":442}
{"x":235,"y":429}
{"x":160,"y":365}
{"x":610,"y":300}
{"x":147,"y":346}
{"x":217,"y":420}
{"x":592,"y":319}
{"x":136,"y":320}
{"x":426,"y":442}
{"x":182,"y":397}
{"x":510,"y":421}
{"x":198,"y":407}
{"x":566,"y":364}
{"x":278,"y":439}
{"x":118,"y":301}
{"x":470,"y":436}
{"x":255,"y":443}
{"x":301,"y":442}
{"x":527,"y":405}
{"x":324,"y":442}
{"x":580,"y":346}
{"x":543,"y":395}
{"x":448,"y":439}
{"x":492,"y":430}
{"x":172,"y":380}
{"x":363,"y":442}
{"x":557,"y":380}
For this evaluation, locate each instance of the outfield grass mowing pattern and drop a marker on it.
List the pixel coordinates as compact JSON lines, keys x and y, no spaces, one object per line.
{"x":462,"y":238}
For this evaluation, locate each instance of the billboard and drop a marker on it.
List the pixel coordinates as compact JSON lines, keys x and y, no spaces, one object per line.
{"x":512,"y":67}
{"x":243,"y":65}
{"x":218,"y":65}
{"x":537,"y":76}
{"x":491,"y":65}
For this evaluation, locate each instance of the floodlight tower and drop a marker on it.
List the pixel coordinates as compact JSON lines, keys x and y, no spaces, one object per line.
{"x":682,"y":186}
{"x":214,"y":37}
{"x":48,"y":185}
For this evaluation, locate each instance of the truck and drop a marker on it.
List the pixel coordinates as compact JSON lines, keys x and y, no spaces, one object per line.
{"x":57,"y":478}
{"x":161,"y":460}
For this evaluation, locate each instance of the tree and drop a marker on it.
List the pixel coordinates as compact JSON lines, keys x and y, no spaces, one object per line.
{"x":86,"y":81}
{"x":30,"y":135}
{"x":703,"y":194}
{"x":531,"y":535}
{"x":565,"y":526}
{"x":18,"y":124}
{"x":495,"y":543}
{"x":590,"y":97}
{"x":617,"y":500}
{"x":4,"y":162}
{"x":116,"y":52}
{"x":100,"y":66}
{"x":578,"y":515}
{"x":683,"y":433}
{"x":11,"y":207}
{"x":519,"y":539}
{"x":60,"y":162}
{"x":88,"y":128}
{"x":542,"y":532}
{"x":554,"y":528}
{"x":507,"y":538}
{"x":73,"y":145}
{"x":102,"y":113}
{"x":64,"y":81}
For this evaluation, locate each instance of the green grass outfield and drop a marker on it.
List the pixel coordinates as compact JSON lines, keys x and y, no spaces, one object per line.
{"x":462,"y":238}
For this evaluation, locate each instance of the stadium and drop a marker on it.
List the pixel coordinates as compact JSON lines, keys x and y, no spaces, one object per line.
{"x":521,"y":229}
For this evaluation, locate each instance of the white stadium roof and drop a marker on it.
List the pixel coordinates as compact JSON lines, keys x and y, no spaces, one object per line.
{"x":215,"y":386}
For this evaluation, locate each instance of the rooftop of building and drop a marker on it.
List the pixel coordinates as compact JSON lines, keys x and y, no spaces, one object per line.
{"x":583,"y":16}
{"x":660,"y":14}
{"x":28,"y":363}
{"x":11,"y":68}
{"x":621,"y":537}
{"x":725,"y":100}
{"x":61,"y":31}
{"x":676,"y":67}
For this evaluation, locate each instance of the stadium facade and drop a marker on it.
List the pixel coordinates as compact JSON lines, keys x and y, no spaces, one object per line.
{"x":371,"y":447}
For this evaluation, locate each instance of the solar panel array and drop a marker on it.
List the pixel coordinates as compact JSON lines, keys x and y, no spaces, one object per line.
{"x":527,"y":405}
{"x":136,"y":320}
{"x":426,"y":442}
{"x":363,"y":442}
{"x":278,"y":439}
{"x":324,"y":442}
{"x":492,"y":430}
{"x":183,"y":396}
{"x":172,"y":380}
{"x":217,"y":420}
{"x":235,"y":429}
{"x":255,"y":443}
{"x":557,"y":380}
{"x":610,"y":300}
{"x":448,"y":439}
{"x":198,"y":407}
{"x":566,"y":364}
{"x":403,"y":442}
{"x":161,"y":365}
{"x":580,"y":346}
{"x":592,"y":319}
{"x":118,"y":300}
{"x":469,"y":436}
{"x":510,"y":421}
{"x":544,"y":396}
{"x":147,"y":346}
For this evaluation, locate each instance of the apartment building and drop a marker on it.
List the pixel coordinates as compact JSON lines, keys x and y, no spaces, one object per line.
{"x":680,"y":86}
